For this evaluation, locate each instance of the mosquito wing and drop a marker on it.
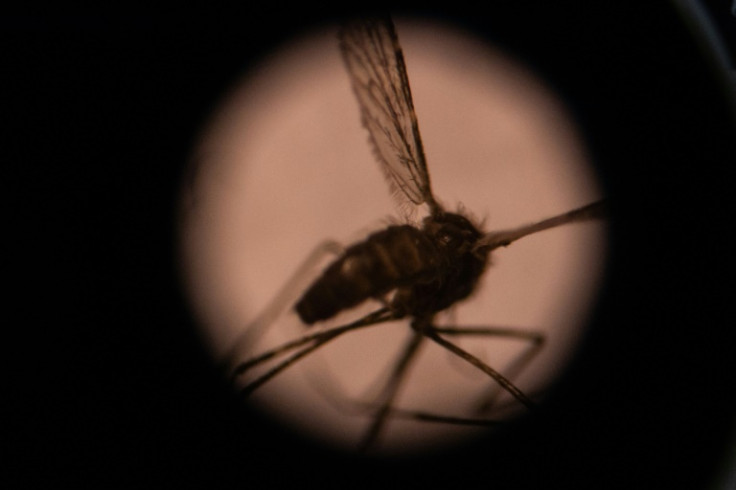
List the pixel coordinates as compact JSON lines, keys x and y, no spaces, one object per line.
{"x":375,"y":63}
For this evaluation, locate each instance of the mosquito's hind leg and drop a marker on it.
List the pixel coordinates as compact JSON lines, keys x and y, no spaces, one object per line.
{"x":535,"y":343}
{"x":294,"y":285}
{"x":310,"y":343}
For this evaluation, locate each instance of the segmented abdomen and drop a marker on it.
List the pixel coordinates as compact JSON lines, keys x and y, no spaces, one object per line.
{"x":394,"y":257}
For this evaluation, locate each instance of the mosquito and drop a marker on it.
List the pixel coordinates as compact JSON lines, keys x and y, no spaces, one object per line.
{"x":413,"y":271}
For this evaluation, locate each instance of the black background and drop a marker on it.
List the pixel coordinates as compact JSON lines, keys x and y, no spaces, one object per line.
{"x":107,"y":380}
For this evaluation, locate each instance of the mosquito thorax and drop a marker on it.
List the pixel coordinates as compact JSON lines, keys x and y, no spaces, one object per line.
{"x":455,"y":238}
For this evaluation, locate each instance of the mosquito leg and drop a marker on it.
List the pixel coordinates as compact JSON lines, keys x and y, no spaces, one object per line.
{"x":281,"y":301}
{"x":359,"y":407}
{"x":535,"y":343}
{"x":468,"y":357}
{"x":253,"y":385}
{"x":314,"y":341}
{"x":390,"y":390}
{"x":332,"y":392}
{"x":421,"y":416}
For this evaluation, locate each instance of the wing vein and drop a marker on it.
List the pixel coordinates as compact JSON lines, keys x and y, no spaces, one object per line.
{"x":377,"y":71}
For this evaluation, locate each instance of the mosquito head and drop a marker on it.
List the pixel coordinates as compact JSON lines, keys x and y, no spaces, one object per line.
{"x":455,"y":237}
{"x":453,"y":232}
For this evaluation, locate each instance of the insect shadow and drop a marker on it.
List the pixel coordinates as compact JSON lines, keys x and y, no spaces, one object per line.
{"x":414,"y":272}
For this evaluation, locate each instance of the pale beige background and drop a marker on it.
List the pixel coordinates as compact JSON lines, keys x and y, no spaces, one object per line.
{"x":285,"y":164}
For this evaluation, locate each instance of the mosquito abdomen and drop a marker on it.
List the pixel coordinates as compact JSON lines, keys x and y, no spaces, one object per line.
{"x":388,"y":259}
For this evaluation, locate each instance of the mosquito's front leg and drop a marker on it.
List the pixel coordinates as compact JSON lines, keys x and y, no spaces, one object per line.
{"x":470,"y":358}
{"x":534,"y":340}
